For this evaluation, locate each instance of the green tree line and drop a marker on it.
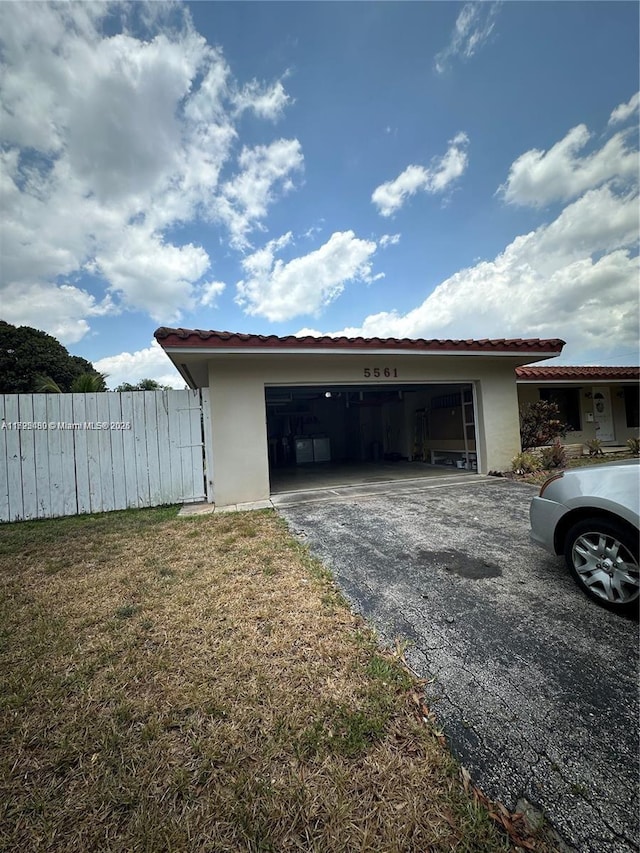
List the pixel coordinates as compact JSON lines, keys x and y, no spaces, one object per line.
{"x":31,"y":361}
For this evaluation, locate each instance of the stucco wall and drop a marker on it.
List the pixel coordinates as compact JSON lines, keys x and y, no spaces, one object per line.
{"x":530,"y":393}
{"x":238,"y":416}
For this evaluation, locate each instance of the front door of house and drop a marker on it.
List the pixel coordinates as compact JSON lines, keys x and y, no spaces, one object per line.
{"x":602,"y":414}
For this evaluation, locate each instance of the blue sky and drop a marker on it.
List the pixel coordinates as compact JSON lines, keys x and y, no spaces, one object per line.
{"x":386,"y":169}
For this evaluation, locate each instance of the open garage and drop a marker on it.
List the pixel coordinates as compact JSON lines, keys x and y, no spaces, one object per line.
{"x":335,"y":433}
{"x":297,"y":406}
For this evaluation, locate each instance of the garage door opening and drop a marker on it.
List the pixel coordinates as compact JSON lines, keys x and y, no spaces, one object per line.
{"x":320,"y":436}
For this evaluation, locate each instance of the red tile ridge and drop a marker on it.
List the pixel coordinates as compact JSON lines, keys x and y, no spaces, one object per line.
{"x":592,"y":372}
{"x":169,"y":338}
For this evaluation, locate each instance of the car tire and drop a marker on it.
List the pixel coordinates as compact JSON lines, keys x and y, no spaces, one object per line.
{"x":602,"y":556}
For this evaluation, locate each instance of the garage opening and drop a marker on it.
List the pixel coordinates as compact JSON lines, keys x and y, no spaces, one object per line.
{"x":319,"y":436}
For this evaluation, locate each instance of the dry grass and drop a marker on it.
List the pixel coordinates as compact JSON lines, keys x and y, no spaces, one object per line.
{"x":197,"y":685}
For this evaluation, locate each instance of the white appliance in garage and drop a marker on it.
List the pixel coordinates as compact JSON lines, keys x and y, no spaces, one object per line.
{"x":304,"y":450}
{"x":321,"y":450}
{"x":312,"y":450}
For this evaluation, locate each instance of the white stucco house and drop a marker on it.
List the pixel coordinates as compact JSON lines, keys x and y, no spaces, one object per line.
{"x":278,"y":402}
{"x":595,"y":402}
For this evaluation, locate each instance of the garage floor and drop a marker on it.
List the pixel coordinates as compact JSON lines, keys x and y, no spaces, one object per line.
{"x":333,"y":475}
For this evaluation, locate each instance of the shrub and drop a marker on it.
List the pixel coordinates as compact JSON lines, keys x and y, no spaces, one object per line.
{"x":554,"y":456}
{"x":594,"y":447}
{"x":634,"y":446}
{"x":525,"y":463}
{"x":540,"y":424}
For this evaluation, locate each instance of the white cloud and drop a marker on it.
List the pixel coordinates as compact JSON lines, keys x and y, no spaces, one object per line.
{"x":313,"y":230}
{"x":623,"y":112}
{"x":245,"y":198}
{"x":152,"y":275}
{"x":280,"y":291}
{"x":149,"y":363}
{"x":473,"y":26}
{"x":65,"y":308}
{"x":210,"y":292}
{"x":390,"y":196}
{"x":109,"y":141}
{"x":575,"y":278}
{"x":265,"y":101}
{"x":559,"y":174}
{"x":389,"y":240}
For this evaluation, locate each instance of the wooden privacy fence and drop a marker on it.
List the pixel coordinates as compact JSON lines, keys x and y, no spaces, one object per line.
{"x":65,"y":454}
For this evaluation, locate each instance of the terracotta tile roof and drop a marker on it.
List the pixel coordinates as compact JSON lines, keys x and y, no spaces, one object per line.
{"x":559,"y":373}
{"x":169,"y":338}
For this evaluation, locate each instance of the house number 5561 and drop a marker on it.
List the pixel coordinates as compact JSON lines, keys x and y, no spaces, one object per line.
{"x":377,"y":372}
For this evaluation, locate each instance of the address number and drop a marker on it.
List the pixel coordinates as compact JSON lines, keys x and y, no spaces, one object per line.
{"x":377,"y":372}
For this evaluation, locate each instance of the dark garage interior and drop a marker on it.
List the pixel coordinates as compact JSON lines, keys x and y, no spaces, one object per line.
{"x":344,"y":427}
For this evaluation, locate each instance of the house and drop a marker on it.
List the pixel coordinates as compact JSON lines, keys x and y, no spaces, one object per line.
{"x":596,"y":402}
{"x":300,"y":402}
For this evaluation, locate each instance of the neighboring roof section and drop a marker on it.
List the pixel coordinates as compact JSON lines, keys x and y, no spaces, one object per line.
{"x":555,"y":373}
{"x":196,"y":338}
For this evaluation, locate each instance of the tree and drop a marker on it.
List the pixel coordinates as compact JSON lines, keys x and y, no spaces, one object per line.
{"x":540,"y":424}
{"x":85,"y":383}
{"x":143,"y":385}
{"x":88,"y":382}
{"x":27,"y":355}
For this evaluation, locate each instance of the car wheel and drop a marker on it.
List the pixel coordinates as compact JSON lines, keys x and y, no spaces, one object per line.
{"x":603,"y":558}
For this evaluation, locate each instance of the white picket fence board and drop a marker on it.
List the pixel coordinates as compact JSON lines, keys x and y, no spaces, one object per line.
{"x":49,"y":472}
{"x":14,"y":465}
{"x":4,"y":478}
{"x":28,"y":454}
{"x":83,"y":491}
{"x":164,"y":454}
{"x":41,"y":452}
{"x":128,"y":450}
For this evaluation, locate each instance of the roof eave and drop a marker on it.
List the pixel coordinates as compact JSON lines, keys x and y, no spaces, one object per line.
{"x":353,"y":351}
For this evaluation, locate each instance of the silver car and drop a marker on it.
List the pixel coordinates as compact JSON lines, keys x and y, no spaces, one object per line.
{"x":591,"y":516}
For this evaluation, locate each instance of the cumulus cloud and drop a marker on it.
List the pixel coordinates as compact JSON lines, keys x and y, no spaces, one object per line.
{"x":149,"y":363}
{"x":624,"y":112}
{"x":279,"y":291}
{"x":152,"y":275}
{"x":246,"y":197}
{"x":389,"y":240}
{"x":65,"y":306}
{"x":109,"y":140}
{"x":575,"y":277}
{"x":540,"y":177}
{"x":390,"y":196}
{"x":264,"y":100}
{"x":210,"y":292}
{"x":473,"y":26}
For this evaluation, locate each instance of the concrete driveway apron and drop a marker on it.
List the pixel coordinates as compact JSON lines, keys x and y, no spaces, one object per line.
{"x":536,"y":687}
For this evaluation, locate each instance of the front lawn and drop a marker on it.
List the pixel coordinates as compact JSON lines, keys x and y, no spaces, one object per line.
{"x":198,"y":685}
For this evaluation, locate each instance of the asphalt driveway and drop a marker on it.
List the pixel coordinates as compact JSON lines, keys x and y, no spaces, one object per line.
{"x":535,"y":686}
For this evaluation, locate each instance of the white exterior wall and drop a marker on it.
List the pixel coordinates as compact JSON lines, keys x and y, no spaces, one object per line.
{"x":529,"y":392}
{"x":238,"y":436}
{"x":238,"y":413}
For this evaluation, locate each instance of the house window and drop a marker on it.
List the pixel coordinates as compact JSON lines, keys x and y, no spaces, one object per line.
{"x":568,"y":403}
{"x":631,"y":406}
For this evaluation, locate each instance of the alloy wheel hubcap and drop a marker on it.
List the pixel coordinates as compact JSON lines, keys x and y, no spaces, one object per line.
{"x":606,"y":567}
